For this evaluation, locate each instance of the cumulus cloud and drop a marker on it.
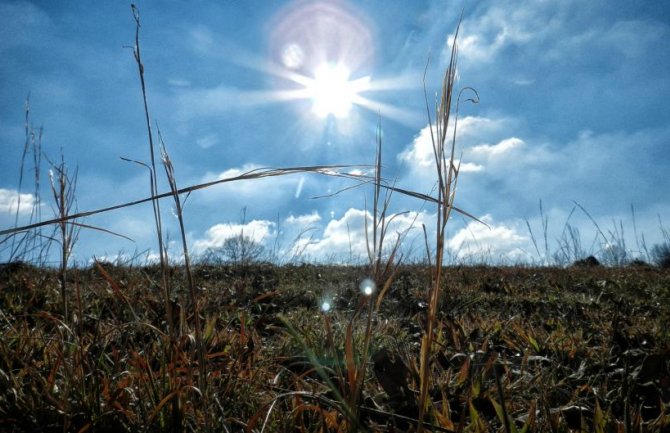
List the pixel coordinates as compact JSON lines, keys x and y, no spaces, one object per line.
{"x":420,"y":152}
{"x":484,"y":36}
{"x":503,"y":146}
{"x":345,"y":238}
{"x":215,"y":236}
{"x":472,"y":130}
{"x":11,"y":200}
{"x":552,"y":30}
{"x":342,"y":236}
{"x":506,"y":169}
{"x":303,"y":220}
{"x":497,"y":242}
{"x":502,"y":25}
{"x":470,"y":167}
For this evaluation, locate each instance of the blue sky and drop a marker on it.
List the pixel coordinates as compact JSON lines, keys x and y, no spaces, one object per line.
{"x":573,"y":108}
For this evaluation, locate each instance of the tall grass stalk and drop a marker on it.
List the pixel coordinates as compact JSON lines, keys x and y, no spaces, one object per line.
{"x":63,"y":188}
{"x":383,"y":264}
{"x":200,"y":347}
{"x":447,"y":170}
{"x":28,"y":244}
{"x":613,"y":245}
{"x":639,"y":241}
{"x":152,"y":169}
{"x":172,"y":332}
{"x":545,"y":225}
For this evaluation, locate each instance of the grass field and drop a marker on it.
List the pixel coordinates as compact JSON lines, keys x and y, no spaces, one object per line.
{"x":576,"y":349}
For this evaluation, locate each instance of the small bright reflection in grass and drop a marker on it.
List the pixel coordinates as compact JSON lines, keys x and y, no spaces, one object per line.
{"x":367,"y":287}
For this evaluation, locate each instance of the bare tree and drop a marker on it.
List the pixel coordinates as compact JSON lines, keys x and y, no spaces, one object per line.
{"x":242,"y":249}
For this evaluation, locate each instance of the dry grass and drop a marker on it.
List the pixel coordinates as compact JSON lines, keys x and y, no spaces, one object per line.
{"x":559,"y":349}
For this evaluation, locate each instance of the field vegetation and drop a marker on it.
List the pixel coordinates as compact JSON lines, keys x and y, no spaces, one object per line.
{"x":543,"y":349}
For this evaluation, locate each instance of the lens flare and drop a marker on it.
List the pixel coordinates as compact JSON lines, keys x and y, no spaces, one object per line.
{"x":367,"y":287}
{"x":293,"y":56}
{"x":325,"y":306}
{"x":321,"y":52}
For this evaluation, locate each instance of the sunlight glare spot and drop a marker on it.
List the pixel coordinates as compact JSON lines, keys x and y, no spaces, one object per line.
{"x":325,"y":306}
{"x":332,"y":92}
{"x":367,"y":287}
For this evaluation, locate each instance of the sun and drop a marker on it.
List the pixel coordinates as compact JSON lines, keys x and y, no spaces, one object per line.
{"x":332,"y":92}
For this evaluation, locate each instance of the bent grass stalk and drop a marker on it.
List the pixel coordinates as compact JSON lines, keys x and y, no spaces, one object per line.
{"x":333,"y":170}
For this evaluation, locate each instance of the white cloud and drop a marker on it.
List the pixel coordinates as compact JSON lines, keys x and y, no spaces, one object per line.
{"x":340,"y":233}
{"x":202,"y":39}
{"x":496,"y":242}
{"x":231,"y":172}
{"x":476,"y":48}
{"x":207,"y":141}
{"x":552,"y":30}
{"x":178,"y":82}
{"x":257,"y":230}
{"x":471,"y":131}
{"x":344,"y":238}
{"x":359,"y":172}
{"x":473,"y":128}
{"x":503,"y":146}
{"x":484,"y":36}
{"x":470,"y":167}
{"x":505,"y":175}
{"x":420,"y":152}
{"x":303,"y":220}
{"x":9,"y":202}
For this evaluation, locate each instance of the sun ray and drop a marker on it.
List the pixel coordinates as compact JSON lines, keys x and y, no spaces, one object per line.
{"x":389,"y":111}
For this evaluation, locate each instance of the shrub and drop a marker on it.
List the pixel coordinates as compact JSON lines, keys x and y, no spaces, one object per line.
{"x":660,"y":254}
{"x":589,"y":262}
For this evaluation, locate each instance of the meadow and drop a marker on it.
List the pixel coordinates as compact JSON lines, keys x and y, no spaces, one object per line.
{"x":515,"y":349}
{"x":183,"y":345}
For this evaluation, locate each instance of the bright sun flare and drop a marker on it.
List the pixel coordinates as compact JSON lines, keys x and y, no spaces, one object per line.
{"x":332,"y":92}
